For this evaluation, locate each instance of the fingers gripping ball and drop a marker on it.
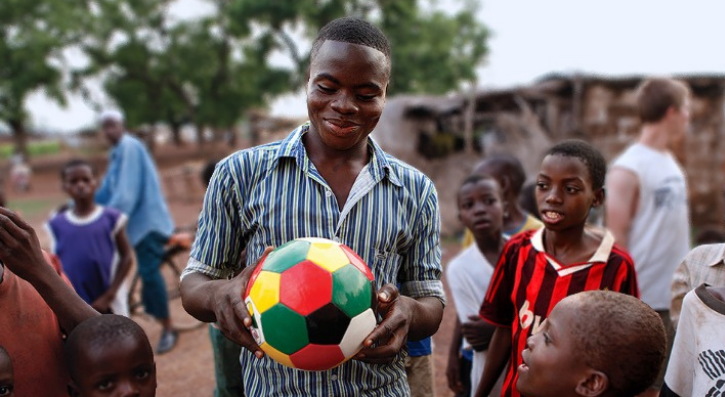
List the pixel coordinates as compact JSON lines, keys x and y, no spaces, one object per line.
{"x":312,"y":303}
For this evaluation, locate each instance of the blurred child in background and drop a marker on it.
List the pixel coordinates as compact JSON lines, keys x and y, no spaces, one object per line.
{"x":91,"y":242}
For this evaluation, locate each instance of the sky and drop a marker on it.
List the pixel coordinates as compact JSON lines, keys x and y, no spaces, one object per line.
{"x":531,"y":38}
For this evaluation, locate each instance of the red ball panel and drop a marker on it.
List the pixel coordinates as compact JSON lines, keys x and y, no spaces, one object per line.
{"x":305,"y":288}
{"x":318,"y":357}
{"x":357,"y":262}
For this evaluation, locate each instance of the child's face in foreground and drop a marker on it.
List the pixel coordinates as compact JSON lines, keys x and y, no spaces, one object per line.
{"x":564,"y":192}
{"x":550,"y":366}
{"x":79,"y":182}
{"x":7,"y":383}
{"x":480,"y":207}
{"x":123,"y":369}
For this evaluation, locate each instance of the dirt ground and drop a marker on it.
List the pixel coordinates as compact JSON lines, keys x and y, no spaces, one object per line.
{"x":188,"y":370}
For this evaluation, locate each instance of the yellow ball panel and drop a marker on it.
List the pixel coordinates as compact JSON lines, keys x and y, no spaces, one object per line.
{"x":265,"y":291}
{"x":327,"y":255}
{"x":276,"y":355}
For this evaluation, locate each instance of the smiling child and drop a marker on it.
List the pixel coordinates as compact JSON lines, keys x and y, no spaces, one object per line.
{"x":537,"y":269}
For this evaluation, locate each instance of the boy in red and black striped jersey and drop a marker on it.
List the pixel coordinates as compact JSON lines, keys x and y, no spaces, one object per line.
{"x":537,"y":269}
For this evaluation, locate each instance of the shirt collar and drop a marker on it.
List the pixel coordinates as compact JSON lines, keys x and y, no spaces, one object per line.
{"x":292,"y":147}
{"x":601,"y":255}
{"x":719,"y":258}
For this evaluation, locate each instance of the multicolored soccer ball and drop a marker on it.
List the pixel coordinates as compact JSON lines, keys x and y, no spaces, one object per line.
{"x":312,"y":303}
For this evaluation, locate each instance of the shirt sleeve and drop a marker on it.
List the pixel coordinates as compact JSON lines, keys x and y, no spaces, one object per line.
{"x":422,"y":265}
{"x":681,"y":285}
{"x":218,"y":245}
{"x":127,"y":192}
{"x":498,"y":308}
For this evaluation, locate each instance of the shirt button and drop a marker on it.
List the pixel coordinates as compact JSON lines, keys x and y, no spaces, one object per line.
{"x":333,"y":377}
{"x":336,"y":239}
{"x":328,"y":193}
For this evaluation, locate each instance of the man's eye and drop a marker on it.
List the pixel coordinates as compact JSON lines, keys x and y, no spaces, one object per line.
{"x":571,"y":189}
{"x":367,"y":97}
{"x":143,"y":374}
{"x":5,"y":390}
{"x":547,"y":340}
{"x":326,"y":89}
{"x":541,"y":185}
{"x":104,"y":385}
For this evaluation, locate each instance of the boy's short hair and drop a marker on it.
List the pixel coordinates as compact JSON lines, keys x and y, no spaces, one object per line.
{"x":509,"y":165}
{"x":97,"y":332}
{"x":353,"y":31}
{"x":655,"y":96}
{"x":621,"y":336}
{"x":475,"y":178}
{"x":588,"y":154}
{"x":75,"y":163}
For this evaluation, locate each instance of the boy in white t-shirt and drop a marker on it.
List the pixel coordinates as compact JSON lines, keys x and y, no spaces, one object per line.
{"x":697,"y":362}
{"x":481,"y":209}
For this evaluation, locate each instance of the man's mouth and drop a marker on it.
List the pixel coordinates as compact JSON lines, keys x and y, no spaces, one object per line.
{"x":340,"y":127}
{"x":481,"y":223}
{"x":523,"y":366}
{"x":552,"y":216}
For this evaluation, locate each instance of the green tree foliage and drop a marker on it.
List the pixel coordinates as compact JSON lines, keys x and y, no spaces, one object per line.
{"x":205,"y":72}
{"x":433,"y":51}
{"x":33,"y":35}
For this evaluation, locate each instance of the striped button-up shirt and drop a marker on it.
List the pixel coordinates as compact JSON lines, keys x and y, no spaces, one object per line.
{"x":268,"y":195}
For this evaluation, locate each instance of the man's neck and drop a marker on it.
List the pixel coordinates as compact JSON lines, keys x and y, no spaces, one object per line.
{"x":83,"y":208}
{"x":516,"y":216}
{"x":655,"y":136}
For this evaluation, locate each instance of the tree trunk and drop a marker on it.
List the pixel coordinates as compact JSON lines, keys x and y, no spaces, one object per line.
{"x":200,"y":141}
{"x":20,"y":136}
{"x":469,"y":115}
{"x":176,"y":134}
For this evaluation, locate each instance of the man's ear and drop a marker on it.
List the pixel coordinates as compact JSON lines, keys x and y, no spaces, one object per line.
{"x":505,"y":183}
{"x":599,"y":196}
{"x":594,"y":385}
{"x":73,"y":390}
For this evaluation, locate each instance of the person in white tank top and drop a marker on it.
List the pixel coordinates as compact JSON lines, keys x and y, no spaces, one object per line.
{"x":646,"y":206}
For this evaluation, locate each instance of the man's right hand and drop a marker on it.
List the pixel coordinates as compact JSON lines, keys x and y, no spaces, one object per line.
{"x":231,"y":312}
{"x":453,"y":373}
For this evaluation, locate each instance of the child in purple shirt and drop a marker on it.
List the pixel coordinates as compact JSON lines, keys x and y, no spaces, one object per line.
{"x":91,"y":242}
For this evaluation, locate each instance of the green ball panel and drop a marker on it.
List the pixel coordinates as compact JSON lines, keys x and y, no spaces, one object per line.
{"x":286,"y":256}
{"x":351,"y":290}
{"x":284,"y":329}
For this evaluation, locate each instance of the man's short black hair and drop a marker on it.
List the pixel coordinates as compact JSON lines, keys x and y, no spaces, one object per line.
{"x":588,"y":154}
{"x":354,"y":31}
{"x":75,"y":163}
{"x":98,"y":332}
{"x":509,"y":165}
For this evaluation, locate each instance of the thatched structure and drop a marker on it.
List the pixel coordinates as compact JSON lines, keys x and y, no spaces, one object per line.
{"x":428,"y":132}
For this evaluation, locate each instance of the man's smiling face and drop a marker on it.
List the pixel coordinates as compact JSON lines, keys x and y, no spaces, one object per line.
{"x":346,"y":92}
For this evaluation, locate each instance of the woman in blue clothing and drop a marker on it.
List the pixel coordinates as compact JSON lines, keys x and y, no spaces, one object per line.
{"x":132,"y":186}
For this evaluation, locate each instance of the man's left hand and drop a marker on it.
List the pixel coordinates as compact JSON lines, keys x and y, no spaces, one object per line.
{"x":384,"y":343}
